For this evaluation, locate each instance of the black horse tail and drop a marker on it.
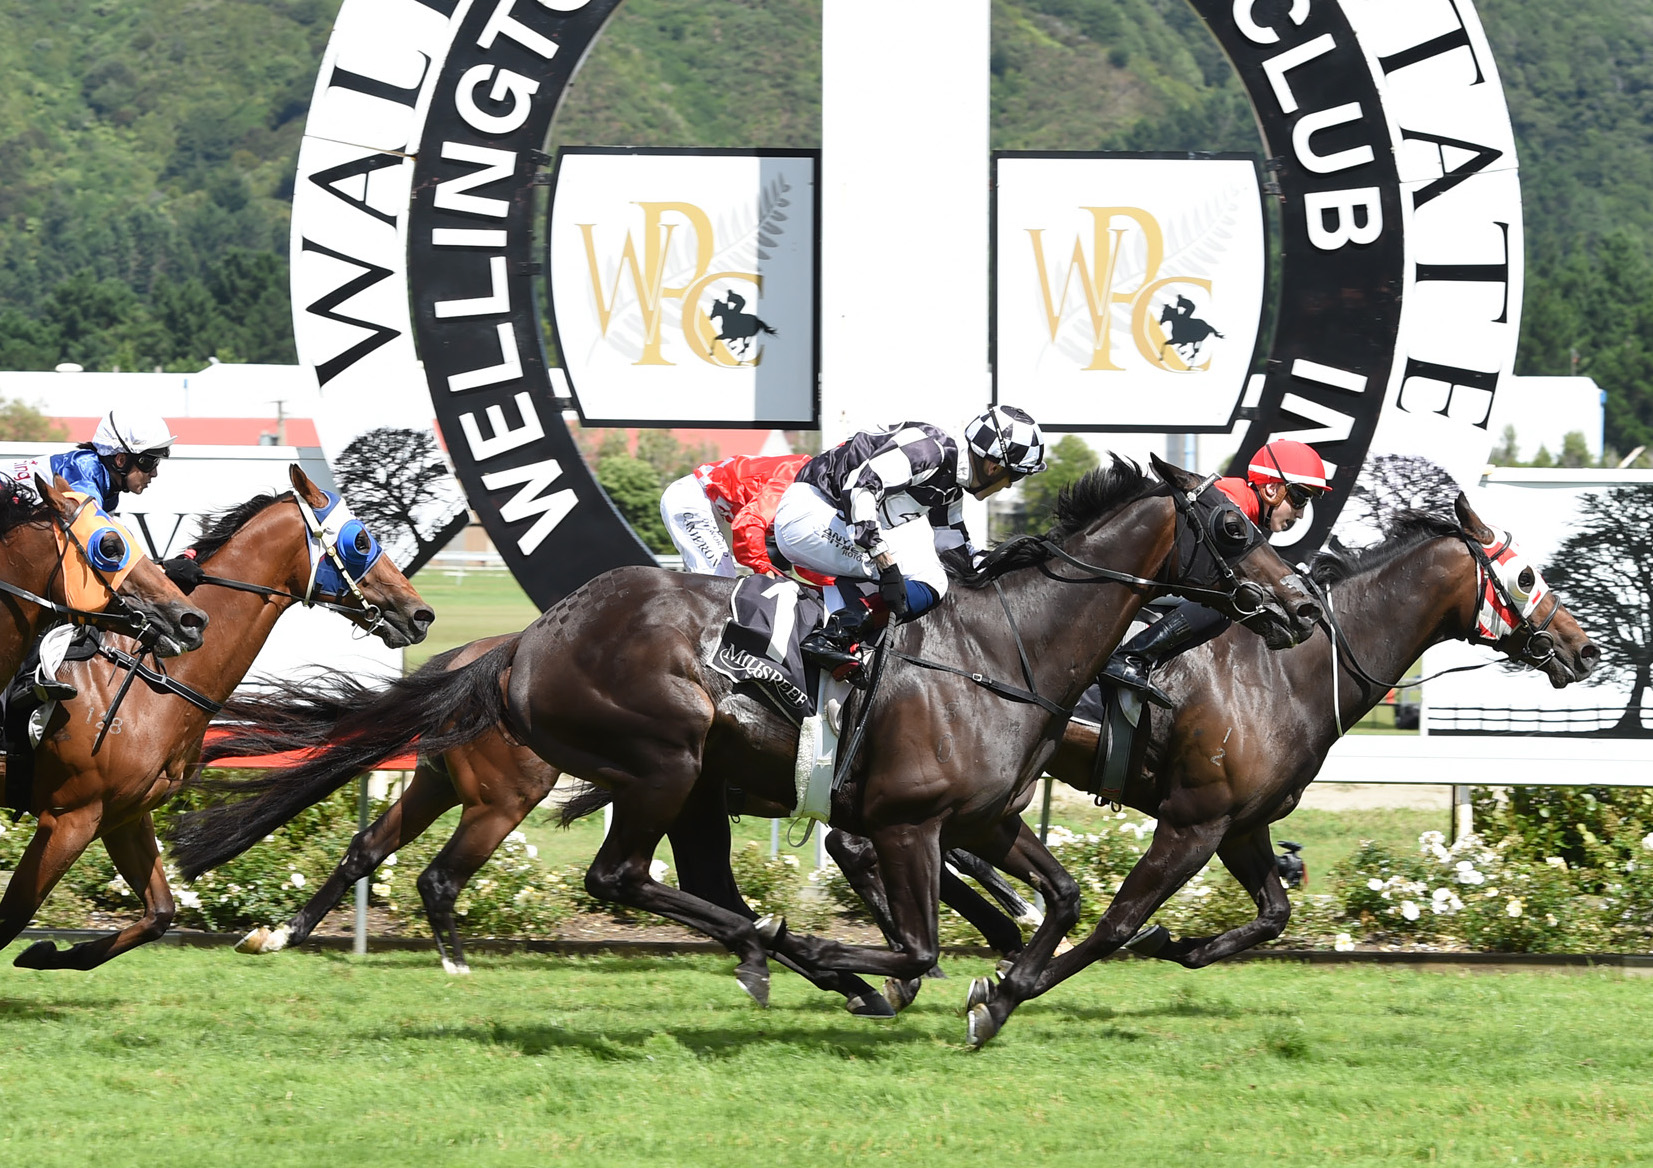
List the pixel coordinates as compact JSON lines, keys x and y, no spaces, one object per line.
{"x":583,"y":803}
{"x":349,"y":729}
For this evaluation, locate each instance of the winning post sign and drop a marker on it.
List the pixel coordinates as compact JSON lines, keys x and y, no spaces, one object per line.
{"x":1125,"y":298}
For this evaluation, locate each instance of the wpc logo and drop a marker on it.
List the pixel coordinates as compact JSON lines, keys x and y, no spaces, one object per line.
{"x":1122,"y":267}
{"x":679,"y":247}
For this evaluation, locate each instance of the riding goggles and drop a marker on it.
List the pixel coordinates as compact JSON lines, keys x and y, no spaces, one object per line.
{"x":1301,"y":496}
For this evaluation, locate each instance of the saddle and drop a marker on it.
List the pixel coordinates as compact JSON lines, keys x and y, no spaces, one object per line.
{"x":1123,"y":724}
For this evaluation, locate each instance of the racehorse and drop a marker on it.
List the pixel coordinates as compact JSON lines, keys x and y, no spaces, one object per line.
{"x":257,"y":562}
{"x":32,"y":561}
{"x":611,"y":685}
{"x":737,"y":328}
{"x":1188,"y":332}
{"x":1251,"y":729}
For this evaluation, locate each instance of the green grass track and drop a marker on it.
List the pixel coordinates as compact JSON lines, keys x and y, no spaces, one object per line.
{"x":204,"y":1057}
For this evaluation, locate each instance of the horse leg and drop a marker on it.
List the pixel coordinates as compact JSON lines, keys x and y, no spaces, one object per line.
{"x":482,"y":828}
{"x":1250,"y":857}
{"x":1172,"y":859}
{"x":909,"y":858}
{"x":1030,"y":861}
{"x":619,"y":874}
{"x":58,"y":842}
{"x":137,"y":857}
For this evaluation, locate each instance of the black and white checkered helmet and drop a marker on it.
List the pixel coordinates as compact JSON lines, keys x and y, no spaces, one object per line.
{"x":1010,"y":437}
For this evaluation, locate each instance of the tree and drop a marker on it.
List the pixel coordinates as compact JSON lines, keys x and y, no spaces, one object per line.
{"x":390,"y":476}
{"x":1508,"y":450}
{"x":1065,"y":464}
{"x":1390,"y":484}
{"x":1605,"y":570}
{"x":634,"y":488}
{"x":1575,"y":452}
{"x":21,"y":422}
{"x":670,"y":458}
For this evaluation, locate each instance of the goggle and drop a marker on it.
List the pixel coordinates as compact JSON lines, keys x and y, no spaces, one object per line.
{"x":146,"y":462}
{"x":1301,"y":496}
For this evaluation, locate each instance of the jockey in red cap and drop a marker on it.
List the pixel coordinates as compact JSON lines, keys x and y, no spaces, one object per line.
{"x":1281,"y":481}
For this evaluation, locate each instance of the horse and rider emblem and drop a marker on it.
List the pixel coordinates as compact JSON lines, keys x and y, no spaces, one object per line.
{"x":1188,"y":333}
{"x":736,"y":329}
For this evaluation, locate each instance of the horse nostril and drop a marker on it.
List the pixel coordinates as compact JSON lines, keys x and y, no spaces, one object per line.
{"x":423,"y":618}
{"x":1308,"y":612}
{"x":1590,"y":652}
{"x":194,"y":621}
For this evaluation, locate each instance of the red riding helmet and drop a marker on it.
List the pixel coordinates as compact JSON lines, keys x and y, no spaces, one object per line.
{"x":1286,"y":461}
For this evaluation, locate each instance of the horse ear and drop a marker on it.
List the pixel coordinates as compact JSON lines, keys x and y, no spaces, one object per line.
{"x":53,"y":491}
{"x":1174,"y":475}
{"x":303,"y":487}
{"x":1471,"y":522}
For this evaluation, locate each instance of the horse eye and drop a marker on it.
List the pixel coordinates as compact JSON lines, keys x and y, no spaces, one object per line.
{"x":1527,"y":579}
{"x":111,"y":546}
{"x":363,"y":543}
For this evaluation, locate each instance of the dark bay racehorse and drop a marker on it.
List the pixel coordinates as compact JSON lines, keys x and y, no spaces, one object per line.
{"x":257,"y":563}
{"x":610,"y":685}
{"x":1251,"y":729}
{"x":31,"y":559}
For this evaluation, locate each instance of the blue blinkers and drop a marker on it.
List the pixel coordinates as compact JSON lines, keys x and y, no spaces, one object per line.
{"x":355,"y":544}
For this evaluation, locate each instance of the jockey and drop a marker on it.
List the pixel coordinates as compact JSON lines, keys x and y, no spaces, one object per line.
{"x":855,"y":512}
{"x":1283,"y":479}
{"x":124,"y":455}
{"x":741,"y":491}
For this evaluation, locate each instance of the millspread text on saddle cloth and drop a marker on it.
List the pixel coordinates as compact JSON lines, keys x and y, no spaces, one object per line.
{"x":768,"y":618}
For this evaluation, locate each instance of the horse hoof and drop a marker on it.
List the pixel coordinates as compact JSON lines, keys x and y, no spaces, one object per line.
{"x":40,"y":955}
{"x":264,"y":940}
{"x":981,"y":1025}
{"x":1002,"y":969}
{"x":901,"y":993}
{"x":1148,"y":941}
{"x":873,"y":1005}
{"x":981,"y":992}
{"x":935,"y":974}
{"x":457,"y":968}
{"x":771,"y":928}
{"x":755,"y":981}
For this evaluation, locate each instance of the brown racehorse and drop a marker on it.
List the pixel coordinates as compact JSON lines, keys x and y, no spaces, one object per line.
{"x":1251,"y":729}
{"x":262,"y":545}
{"x":610,"y":685}
{"x":30,"y":559}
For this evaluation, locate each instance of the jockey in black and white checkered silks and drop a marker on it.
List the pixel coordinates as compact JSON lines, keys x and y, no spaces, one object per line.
{"x":855,"y":511}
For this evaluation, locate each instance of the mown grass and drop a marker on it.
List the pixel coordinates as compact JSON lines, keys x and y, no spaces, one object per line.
{"x":468,"y":606}
{"x":205,"y":1058}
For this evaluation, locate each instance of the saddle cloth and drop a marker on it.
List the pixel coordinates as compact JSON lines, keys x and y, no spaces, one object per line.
{"x":768,"y":618}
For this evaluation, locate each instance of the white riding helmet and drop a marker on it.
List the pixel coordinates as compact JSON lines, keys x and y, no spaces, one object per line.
{"x":1010,"y":437}
{"x":133,"y":432}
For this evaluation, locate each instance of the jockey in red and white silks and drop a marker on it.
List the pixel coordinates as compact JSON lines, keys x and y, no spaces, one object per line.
{"x":741,"y":491}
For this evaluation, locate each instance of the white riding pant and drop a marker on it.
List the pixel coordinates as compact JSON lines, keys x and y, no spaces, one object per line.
{"x":812,"y":534}
{"x":694,"y":528}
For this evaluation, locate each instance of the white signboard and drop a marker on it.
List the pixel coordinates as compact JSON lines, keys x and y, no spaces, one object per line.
{"x":683,"y":286}
{"x":1128,"y":290}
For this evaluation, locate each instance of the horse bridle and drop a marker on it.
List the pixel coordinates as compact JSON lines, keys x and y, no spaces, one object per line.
{"x":116,"y":617}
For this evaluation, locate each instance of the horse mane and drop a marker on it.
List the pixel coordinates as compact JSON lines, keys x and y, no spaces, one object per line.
{"x":1078,"y":505}
{"x":1409,"y":530}
{"x":218,"y":526}
{"x":18,"y":508}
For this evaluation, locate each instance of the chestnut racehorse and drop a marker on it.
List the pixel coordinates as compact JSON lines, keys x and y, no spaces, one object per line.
{"x":256,"y":560}
{"x":610,"y":685}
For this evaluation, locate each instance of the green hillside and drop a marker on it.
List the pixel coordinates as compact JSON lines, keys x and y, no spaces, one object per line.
{"x":147,"y":150}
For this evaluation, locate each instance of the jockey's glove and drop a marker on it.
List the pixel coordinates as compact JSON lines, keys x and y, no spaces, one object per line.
{"x":892,"y":586}
{"x":184,"y":572}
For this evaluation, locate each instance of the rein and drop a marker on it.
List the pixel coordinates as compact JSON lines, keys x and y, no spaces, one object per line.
{"x":1343,"y":654}
{"x":157,"y":678}
{"x":129,"y":623}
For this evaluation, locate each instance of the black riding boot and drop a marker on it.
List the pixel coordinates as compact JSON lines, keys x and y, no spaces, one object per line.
{"x":832,"y":645}
{"x":1182,"y":628}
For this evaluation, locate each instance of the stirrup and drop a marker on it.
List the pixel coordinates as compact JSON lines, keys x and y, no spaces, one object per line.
{"x":53,"y":690}
{"x":1122,"y":670}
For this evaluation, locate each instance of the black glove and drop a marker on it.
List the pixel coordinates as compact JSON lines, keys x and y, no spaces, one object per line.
{"x":892,"y":586}
{"x":184,"y":572}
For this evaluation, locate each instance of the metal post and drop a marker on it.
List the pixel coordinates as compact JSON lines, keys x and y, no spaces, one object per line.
{"x":361,"y":885}
{"x":1463,"y":813}
{"x":774,"y":837}
{"x":820,"y":845}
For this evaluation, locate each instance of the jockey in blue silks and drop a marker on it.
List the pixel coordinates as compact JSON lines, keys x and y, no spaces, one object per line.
{"x":124,"y":455}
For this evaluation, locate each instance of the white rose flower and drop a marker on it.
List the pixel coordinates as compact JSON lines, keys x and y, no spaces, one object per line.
{"x":188,"y":898}
{"x":1647,"y":841}
{"x":381,"y":889}
{"x":1375,"y":884}
{"x":658,"y":870}
{"x":1513,"y":908}
{"x":1556,"y":862}
{"x":298,"y":879}
{"x":1409,"y":910}
{"x":390,"y":860}
{"x":1344,"y":943}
